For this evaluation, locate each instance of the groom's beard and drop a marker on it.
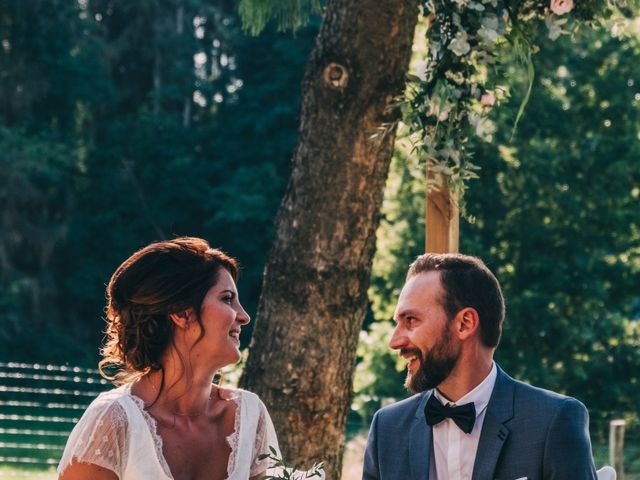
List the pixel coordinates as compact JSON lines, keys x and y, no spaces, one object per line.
{"x":435,"y":366}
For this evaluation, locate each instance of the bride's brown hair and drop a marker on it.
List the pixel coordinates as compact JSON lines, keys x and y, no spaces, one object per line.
{"x":156,"y":281}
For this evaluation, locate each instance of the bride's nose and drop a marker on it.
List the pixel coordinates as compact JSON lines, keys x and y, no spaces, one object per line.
{"x":242,"y":316}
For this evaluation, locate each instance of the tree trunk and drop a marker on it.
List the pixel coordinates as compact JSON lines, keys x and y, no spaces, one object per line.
{"x":314,"y":295}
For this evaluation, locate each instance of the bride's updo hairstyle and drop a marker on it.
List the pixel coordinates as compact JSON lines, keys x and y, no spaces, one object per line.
{"x":156,"y":281}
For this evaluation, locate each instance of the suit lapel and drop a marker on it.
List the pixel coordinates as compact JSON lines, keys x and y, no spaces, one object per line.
{"x":420,"y":443}
{"x":494,"y":433}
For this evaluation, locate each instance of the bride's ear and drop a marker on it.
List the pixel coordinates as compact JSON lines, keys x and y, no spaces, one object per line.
{"x":182,"y":319}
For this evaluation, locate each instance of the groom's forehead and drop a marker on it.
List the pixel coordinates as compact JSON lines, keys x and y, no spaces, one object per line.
{"x":421,"y":287}
{"x":404,"y":313}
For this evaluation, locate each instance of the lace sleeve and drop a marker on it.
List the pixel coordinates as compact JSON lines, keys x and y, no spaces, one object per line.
{"x":100,"y":437}
{"x":265,"y":438}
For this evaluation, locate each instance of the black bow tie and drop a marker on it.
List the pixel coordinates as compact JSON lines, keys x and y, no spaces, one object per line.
{"x":463,"y":415}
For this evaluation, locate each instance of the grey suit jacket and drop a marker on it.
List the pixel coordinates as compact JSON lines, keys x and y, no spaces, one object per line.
{"x":527,"y":433}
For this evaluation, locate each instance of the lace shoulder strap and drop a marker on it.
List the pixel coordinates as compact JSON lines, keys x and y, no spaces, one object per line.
{"x":100,"y":436}
{"x":263,"y":431}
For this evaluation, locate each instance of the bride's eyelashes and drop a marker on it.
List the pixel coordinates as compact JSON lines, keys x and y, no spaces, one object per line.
{"x":228,"y":298}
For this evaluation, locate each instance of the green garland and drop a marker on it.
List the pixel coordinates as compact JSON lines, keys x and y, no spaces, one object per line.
{"x":456,"y":86}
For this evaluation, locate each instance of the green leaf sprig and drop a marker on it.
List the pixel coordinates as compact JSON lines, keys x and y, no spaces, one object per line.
{"x":289,"y":472}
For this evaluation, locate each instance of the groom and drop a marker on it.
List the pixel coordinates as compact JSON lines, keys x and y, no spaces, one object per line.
{"x":469,"y":419}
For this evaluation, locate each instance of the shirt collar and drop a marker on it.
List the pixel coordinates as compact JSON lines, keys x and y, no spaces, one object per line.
{"x":480,"y":395}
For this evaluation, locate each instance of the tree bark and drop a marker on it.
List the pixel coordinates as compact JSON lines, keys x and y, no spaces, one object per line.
{"x":314,"y":294}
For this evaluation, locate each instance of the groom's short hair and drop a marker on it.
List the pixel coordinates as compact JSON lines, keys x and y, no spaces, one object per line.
{"x":467,"y":282}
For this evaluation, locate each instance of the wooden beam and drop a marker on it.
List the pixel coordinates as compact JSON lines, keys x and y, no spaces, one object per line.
{"x":616,"y":446}
{"x":442,"y":216}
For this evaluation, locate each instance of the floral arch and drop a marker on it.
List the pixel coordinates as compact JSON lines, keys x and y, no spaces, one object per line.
{"x":456,"y":86}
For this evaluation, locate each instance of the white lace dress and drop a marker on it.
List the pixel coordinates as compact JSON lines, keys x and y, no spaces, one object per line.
{"x":117,"y":433}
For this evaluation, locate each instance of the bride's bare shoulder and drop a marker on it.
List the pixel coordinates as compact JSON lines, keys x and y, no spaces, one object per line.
{"x":82,"y":470}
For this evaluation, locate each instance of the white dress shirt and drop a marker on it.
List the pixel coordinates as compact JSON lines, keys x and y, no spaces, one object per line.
{"x":453,"y":452}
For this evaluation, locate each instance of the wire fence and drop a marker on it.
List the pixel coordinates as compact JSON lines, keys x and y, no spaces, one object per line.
{"x":39,"y":405}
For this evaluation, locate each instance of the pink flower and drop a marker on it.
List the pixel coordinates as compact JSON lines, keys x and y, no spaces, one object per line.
{"x":487,"y":99}
{"x":560,"y":7}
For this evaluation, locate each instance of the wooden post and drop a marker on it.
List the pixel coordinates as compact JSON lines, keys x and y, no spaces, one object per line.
{"x":616,"y":446}
{"x":442,"y":216}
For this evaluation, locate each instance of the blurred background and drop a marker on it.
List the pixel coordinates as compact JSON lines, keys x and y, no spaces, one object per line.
{"x":122,"y":123}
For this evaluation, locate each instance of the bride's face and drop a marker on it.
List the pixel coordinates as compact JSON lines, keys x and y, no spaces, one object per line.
{"x":222,"y":317}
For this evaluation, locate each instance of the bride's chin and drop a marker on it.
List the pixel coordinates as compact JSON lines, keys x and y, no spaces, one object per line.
{"x":237,"y":357}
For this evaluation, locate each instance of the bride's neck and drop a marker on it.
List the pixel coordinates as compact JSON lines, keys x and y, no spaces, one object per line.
{"x":185,"y":388}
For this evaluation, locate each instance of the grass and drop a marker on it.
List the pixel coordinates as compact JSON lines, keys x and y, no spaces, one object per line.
{"x":11,"y":473}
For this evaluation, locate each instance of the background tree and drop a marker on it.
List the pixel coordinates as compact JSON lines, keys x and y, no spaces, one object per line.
{"x":314,"y":293}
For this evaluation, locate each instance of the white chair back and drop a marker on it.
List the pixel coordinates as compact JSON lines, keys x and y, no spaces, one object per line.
{"x":606,"y":473}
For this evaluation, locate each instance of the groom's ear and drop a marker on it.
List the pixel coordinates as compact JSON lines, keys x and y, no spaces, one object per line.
{"x":467,"y":323}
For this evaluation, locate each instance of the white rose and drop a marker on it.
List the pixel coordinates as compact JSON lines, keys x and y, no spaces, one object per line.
{"x":483,"y":127}
{"x":488,"y":34}
{"x":554,"y":25}
{"x":560,"y":7}
{"x":459,"y":45}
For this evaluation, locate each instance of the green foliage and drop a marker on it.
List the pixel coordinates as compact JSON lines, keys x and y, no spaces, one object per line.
{"x":557,"y":219}
{"x":131,"y":122}
{"x":35,"y":171}
{"x":288,"y":14}
{"x":380,"y":372}
{"x":564,"y":232}
{"x":462,"y":73}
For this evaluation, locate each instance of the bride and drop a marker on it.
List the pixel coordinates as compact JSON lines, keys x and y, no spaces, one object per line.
{"x":173,"y":320}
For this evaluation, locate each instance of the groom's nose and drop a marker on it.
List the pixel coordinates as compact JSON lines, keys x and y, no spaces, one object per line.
{"x":398,"y":339}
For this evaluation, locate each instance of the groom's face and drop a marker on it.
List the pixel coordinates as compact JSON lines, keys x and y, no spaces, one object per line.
{"x":423,"y":334}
